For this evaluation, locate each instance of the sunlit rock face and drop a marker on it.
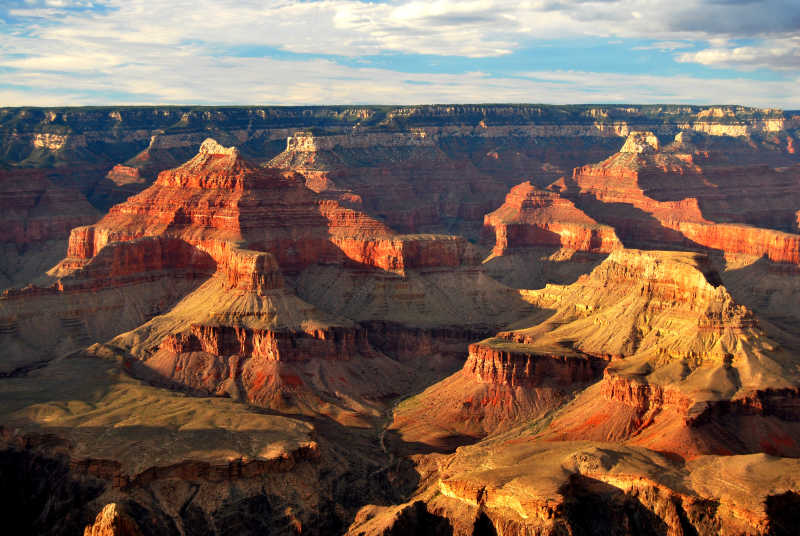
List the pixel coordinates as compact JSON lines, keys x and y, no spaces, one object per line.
{"x":531,"y":217}
{"x":653,"y":196}
{"x":400,"y":320}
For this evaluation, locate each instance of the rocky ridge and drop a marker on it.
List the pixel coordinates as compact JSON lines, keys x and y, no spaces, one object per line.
{"x":37,"y":216}
{"x":531,"y":217}
{"x":637,"y":389}
{"x":653,"y":197}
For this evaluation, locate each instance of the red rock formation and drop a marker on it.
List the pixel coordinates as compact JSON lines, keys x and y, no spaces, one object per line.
{"x":532,"y":217}
{"x":124,"y":175}
{"x":112,"y":522}
{"x":242,"y":332}
{"x":218,"y":198}
{"x":118,"y":184}
{"x":685,"y":358}
{"x":403,"y":177}
{"x":731,"y":238}
{"x":124,"y":262}
{"x":502,"y":384}
{"x":330,"y":342}
{"x":677,"y":356}
{"x":653,"y":197}
{"x":494,"y":362}
{"x":35,"y":210}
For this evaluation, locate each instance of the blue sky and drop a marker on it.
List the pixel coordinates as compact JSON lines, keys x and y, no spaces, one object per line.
{"x":81,"y":52}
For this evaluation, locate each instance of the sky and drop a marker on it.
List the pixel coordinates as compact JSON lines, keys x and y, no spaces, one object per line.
{"x":301,"y":52}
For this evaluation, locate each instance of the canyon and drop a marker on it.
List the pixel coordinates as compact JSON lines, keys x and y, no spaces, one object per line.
{"x":451,"y":319}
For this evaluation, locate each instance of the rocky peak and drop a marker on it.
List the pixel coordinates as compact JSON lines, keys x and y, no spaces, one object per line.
{"x":525,"y":195}
{"x":113,"y":521}
{"x":640,"y":142}
{"x":214,"y":167}
{"x":210,"y":146}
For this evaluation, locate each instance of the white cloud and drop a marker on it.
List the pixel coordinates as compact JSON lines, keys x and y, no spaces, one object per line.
{"x":469,"y":28}
{"x":782,"y":54}
{"x":271,"y":81}
{"x":634,"y":88}
{"x":665,"y":46}
{"x":144,"y":51}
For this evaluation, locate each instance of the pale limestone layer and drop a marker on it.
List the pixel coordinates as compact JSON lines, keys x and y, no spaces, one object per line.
{"x":640,"y":142}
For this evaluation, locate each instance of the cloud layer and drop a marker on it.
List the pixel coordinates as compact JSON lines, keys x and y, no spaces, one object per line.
{"x":322,"y":51}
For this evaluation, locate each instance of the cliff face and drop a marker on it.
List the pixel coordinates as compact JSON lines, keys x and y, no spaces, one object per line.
{"x":672,"y":353}
{"x":679,"y":347}
{"x":641,"y":301}
{"x":406,"y":178}
{"x":87,"y":300}
{"x":490,"y":363}
{"x":222,"y":457}
{"x":36,"y":217}
{"x":451,"y":162}
{"x":636,"y":391}
{"x":256,"y":339}
{"x":653,"y":197}
{"x":217,"y":197}
{"x":263,"y":345}
{"x":321,"y":343}
{"x":506,"y":143}
{"x":521,"y":487}
{"x":531,"y":217}
{"x":57,"y":129}
{"x":35,"y":210}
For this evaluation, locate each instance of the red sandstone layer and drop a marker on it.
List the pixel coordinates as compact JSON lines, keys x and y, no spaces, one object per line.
{"x":497,"y":362}
{"x":218,"y":198}
{"x":32,"y":209}
{"x":331,"y":343}
{"x":531,"y":217}
{"x":659,"y":198}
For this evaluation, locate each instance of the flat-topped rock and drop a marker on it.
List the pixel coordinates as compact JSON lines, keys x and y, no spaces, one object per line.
{"x":640,"y":142}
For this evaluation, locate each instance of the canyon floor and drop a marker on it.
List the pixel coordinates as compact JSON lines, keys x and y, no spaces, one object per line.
{"x":443,"y":320}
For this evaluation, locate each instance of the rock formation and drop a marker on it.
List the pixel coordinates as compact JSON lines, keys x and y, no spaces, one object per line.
{"x":113,"y":436}
{"x":257,"y":340}
{"x":651,"y":197}
{"x":517,"y":486}
{"x":541,"y":237}
{"x":241,"y":348}
{"x":674,"y":350}
{"x":218,"y":198}
{"x":640,"y":142}
{"x":36,"y":217}
{"x":683,"y":354}
{"x":531,"y":217}
{"x":118,"y":184}
{"x":111,"y":521}
{"x":406,"y":179}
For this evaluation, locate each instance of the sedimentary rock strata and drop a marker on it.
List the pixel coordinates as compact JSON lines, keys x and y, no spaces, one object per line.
{"x":516,"y":486}
{"x":406,"y":179}
{"x":36,"y":216}
{"x":651,"y":197}
{"x":250,"y":341}
{"x":531,"y":217}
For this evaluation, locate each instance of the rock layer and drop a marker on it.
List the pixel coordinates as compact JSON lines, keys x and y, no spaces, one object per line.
{"x":404,"y":178}
{"x":531,"y":217}
{"x":515,"y":486}
{"x":645,"y":393}
{"x":217,"y":197}
{"x":653,"y":197}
